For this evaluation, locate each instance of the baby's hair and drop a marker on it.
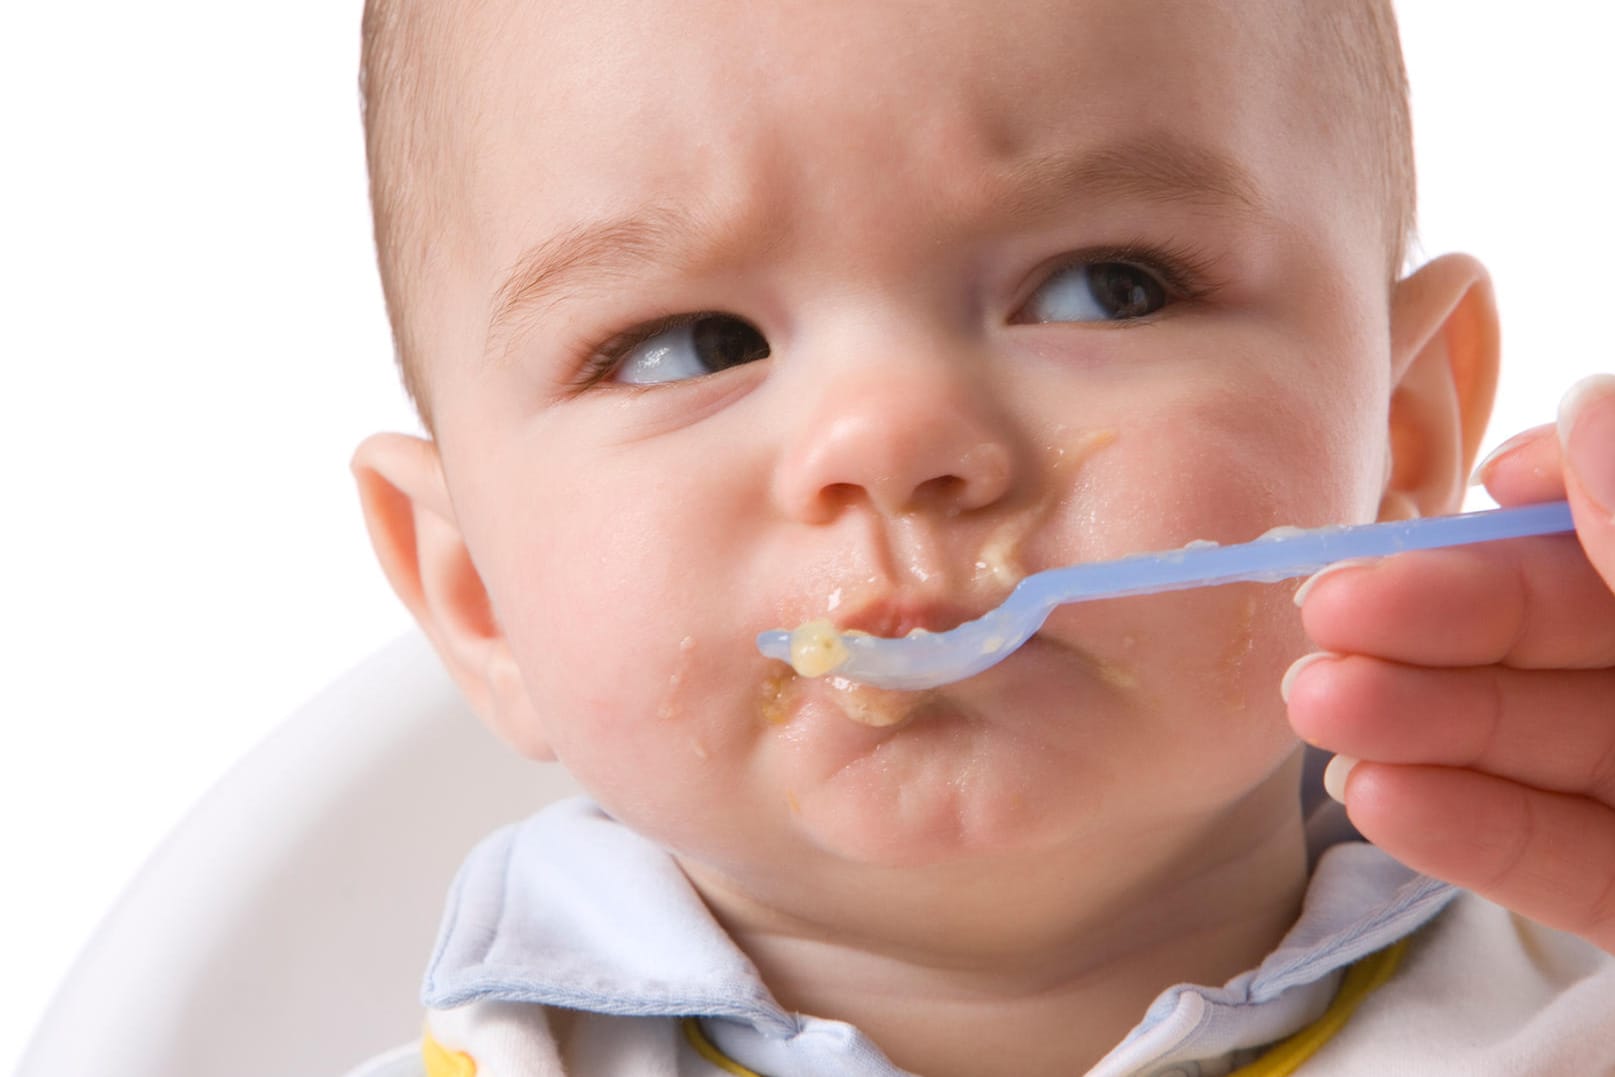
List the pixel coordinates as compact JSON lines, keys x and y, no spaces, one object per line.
{"x":1371,"y":84}
{"x":414,"y":115}
{"x":407,"y":107}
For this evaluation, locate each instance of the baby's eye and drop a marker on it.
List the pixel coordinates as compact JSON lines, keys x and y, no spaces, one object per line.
{"x":689,"y":348}
{"x":1095,"y":292}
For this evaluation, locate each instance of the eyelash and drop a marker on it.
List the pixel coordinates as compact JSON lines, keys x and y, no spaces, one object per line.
{"x":1188,"y":274}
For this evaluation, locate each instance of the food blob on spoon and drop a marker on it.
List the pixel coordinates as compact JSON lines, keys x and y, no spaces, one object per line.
{"x":816,"y":648}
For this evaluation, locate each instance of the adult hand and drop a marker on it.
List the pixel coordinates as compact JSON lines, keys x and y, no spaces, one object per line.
{"x":1469,"y":693}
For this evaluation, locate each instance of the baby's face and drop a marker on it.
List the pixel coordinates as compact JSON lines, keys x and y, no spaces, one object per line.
{"x":860,"y":311}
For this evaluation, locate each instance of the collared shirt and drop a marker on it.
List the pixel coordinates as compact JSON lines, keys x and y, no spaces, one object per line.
{"x":573,"y":945}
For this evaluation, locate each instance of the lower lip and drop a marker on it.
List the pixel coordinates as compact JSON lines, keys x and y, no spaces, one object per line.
{"x":863,"y":712}
{"x":823,"y":732}
{"x":877,"y":708}
{"x":789,"y":699}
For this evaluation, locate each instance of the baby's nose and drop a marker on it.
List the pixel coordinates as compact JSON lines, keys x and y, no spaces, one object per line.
{"x":899,"y":437}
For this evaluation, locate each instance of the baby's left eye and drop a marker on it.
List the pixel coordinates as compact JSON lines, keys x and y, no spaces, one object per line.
{"x":687,"y":346}
{"x":1095,"y":292}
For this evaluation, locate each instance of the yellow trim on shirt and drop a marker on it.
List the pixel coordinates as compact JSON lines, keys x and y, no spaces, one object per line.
{"x":704,"y":1048}
{"x":441,"y":1062}
{"x":1362,"y":978}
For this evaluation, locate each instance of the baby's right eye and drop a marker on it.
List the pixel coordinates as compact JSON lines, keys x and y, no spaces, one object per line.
{"x":686,"y":346}
{"x":1096,"y":291}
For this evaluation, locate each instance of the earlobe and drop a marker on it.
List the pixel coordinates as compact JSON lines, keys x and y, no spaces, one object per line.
{"x":1444,"y":356}
{"x":413,"y":529}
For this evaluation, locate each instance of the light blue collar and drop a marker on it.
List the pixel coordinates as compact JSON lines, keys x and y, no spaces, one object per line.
{"x":572,"y":909}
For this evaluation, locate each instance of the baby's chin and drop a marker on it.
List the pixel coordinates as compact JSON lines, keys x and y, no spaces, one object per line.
{"x":946,"y":787}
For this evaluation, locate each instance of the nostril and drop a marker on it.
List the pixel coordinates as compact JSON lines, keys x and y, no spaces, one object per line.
{"x":838,"y":495}
{"x":946,"y":491}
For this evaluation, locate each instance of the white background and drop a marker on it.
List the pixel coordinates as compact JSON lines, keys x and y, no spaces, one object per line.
{"x":193,"y":341}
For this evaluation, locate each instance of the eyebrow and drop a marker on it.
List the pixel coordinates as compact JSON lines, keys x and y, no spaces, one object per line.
{"x":595,"y":253}
{"x":1159,"y":168}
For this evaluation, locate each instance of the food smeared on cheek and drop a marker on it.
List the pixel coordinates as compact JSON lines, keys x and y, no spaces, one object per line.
{"x":1114,"y":674}
{"x":1086,"y":445}
{"x":773,"y":703}
{"x":999,"y":558}
{"x":1241,"y":643}
{"x":670,"y":705}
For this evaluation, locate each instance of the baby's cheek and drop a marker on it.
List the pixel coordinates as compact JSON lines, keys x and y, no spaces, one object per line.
{"x":1241,"y":665}
{"x":1205,"y":667}
{"x":645,"y":702}
{"x":1262,"y":635}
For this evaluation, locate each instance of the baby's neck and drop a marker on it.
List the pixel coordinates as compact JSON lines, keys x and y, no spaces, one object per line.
{"x":977,"y":995}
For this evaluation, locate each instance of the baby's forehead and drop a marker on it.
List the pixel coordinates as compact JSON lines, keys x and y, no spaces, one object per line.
{"x":773,"y":106}
{"x":614,"y":72}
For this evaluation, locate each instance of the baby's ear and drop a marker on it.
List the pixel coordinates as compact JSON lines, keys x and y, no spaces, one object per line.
{"x":1444,"y":355}
{"x":413,"y":529}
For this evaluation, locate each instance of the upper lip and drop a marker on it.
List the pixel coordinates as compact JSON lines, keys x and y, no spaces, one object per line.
{"x":897,"y":615}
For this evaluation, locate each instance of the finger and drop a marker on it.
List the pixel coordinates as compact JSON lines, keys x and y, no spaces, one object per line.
{"x":1551,"y":730}
{"x":1549,"y":856}
{"x":1525,"y":469}
{"x":1587,"y":436}
{"x":1529,"y":603}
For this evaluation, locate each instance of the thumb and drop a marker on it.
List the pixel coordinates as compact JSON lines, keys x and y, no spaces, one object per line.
{"x":1587,"y":434}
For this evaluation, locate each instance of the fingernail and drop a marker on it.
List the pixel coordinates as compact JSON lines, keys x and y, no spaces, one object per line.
{"x":1335,"y":775}
{"x":1306,"y":587}
{"x":1478,"y":476}
{"x":1295,"y":669}
{"x":1587,"y":432}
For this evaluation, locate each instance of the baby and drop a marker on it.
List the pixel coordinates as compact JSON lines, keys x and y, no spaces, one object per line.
{"x":730,"y":316}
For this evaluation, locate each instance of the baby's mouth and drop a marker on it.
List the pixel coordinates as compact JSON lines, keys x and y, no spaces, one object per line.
{"x":817,"y":646}
{"x":817,"y":650}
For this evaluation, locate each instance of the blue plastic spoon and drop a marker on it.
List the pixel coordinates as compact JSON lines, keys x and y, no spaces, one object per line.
{"x":926,"y":661}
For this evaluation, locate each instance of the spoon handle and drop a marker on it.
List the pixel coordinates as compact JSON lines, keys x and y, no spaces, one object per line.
{"x":1283,"y":556}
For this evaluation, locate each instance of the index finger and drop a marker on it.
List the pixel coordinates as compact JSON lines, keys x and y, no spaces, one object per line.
{"x":1573,"y":459}
{"x":1529,"y":603}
